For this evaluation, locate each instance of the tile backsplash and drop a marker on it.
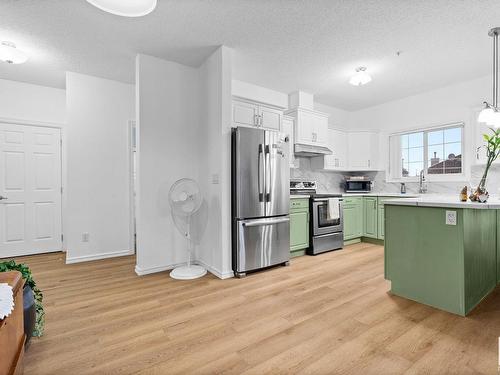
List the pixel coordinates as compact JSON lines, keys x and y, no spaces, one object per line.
{"x":332,"y":182}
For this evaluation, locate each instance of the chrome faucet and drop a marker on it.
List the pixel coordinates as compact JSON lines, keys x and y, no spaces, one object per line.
{"x":422,"y":184}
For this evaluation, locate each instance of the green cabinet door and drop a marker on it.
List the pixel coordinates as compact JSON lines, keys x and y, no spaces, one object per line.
{"x":299,"y":226}
{"x":353,"y":218}
{"x":299,"y":230}
{"x":370,"y":217}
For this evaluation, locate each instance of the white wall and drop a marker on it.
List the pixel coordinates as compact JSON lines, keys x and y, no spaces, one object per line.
{"x":24,"y":101}
{"x":168,"y":128}
{"x":258,"y":93}
{"x":98,"y":167}
{"x":214,"y":164}
{"x":456,"y":103}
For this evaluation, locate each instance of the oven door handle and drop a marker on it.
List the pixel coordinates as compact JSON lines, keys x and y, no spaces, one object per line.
{"x":325,"y":199}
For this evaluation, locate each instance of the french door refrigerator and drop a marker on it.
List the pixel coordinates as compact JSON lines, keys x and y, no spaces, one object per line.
{"x":260,"y":199}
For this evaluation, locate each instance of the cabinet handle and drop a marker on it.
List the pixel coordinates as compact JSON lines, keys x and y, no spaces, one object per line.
{"x":369,"y":164}
{"x":256,"y":120}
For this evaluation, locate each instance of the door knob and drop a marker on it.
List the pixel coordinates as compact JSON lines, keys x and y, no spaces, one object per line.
{"x":2,"y":198}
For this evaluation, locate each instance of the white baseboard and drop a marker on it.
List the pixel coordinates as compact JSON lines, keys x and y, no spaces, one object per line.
{"x":88,"y":258}
{"x":145,"y":271}
{"x":216,"y":272}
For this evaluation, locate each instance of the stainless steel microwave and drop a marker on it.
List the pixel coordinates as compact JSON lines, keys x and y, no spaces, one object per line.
{"x":358,"y":185}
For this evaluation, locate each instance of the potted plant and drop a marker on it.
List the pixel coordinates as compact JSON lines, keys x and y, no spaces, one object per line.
{"x":480,"y":194}
{"x":34,"y":314}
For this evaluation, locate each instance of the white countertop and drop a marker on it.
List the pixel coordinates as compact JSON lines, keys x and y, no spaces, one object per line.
{"x":451,"y":201}
{"x":395,"y":195}
{"x":299,"y":196}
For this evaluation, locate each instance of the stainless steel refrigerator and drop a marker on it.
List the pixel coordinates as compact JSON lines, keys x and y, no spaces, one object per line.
{"x":260,"y":199}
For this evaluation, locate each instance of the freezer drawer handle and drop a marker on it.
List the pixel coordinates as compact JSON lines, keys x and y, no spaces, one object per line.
{"x":258,"y":222}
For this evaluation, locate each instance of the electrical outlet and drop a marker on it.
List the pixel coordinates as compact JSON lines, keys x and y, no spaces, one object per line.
{"x":85,"y":237}
{"x":451,"y":217}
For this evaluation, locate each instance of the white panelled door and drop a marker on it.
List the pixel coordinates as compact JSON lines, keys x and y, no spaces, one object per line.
{"x":30,"y":190}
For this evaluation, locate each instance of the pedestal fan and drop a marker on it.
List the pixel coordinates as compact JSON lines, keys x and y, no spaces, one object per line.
{"x":185,"y":200}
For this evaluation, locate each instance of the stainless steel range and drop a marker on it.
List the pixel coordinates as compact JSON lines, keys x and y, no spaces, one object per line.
{"x":327,"y":223}
{"x":326,"y":230}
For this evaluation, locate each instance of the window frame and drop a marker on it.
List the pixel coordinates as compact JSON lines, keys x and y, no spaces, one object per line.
{"x":395,"y":154}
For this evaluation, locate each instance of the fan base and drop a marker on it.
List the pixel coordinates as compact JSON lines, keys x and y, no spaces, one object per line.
{"x":188,"y":273}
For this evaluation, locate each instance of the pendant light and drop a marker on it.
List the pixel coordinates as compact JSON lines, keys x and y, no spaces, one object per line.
{"x":125,"y":8}
{"x":491,"y":113}
{"x":11,"y":55}
{"x":361,"y":77}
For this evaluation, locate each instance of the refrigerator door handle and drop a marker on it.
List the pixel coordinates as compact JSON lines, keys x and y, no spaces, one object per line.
{"x":260,"y":222}
{"x":260,"y":172}
{"x":268,"y":174}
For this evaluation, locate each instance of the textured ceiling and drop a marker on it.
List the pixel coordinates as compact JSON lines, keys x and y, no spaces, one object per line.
{"x":313,"y":45}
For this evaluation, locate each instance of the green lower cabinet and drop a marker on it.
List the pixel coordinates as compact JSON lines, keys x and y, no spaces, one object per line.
{"x":299,"y":226}
{"x":498,"y":246}
{"x":353,"y":218}
{"x":371,"y":215}
{"x":451,"y":267}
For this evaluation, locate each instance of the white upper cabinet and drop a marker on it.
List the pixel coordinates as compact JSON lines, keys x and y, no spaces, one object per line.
{"x":288,"y":126}
{"x":270,"y":118}
{"x":247,"y":113}
{"x":363,"y":151}
{"x":338,"y":145}
{"x":337,"y":161}
{"x":351,"y":151}
{"x":244,"y":113}
{"x":311,"y":127}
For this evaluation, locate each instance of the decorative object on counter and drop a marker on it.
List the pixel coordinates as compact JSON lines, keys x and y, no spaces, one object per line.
{"x":403,"y":188}
{"x":463,"y":194}
{"x":32,"y":327}
{"x":480,"y":194}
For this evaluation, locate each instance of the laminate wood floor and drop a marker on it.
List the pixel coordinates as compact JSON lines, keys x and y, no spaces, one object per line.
{"x":329,"y":314}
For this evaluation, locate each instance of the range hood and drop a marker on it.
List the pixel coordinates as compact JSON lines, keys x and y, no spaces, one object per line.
{"x":304,"y":150}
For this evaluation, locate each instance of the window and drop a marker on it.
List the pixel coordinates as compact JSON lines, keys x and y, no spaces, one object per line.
{"x":436,"y":151}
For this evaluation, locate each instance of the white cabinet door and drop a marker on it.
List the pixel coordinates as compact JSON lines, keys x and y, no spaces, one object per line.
{"x":288,"y":129}
{"x":338,"y":144}
{"x":304,"y":128}
{"x":360,"y":150}
{"x":245,"y":113}
{"x":321,"y":130}
{"x":270,"y":118}
{"x":30,"y":186}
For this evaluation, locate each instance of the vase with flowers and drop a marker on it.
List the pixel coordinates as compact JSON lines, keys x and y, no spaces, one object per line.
{"x":492,"y":146}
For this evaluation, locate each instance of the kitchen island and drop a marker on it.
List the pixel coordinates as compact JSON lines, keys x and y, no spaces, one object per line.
{"x":442,"y":252}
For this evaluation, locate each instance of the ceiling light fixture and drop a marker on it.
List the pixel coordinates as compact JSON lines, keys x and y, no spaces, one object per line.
{"x":361,"y":77}
{"x":491,"y":113}
{"x":11,"y":55}
{"x":125,"y":8}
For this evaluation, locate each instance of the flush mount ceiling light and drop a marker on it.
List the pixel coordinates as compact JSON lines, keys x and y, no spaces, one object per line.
{"x":10,"y":54}
{"x":125,"y":8}
{"x":361,"y":77}
{"x":491,"y":113}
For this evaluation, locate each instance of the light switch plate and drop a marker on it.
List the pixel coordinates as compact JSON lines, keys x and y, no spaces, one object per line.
{"x":451,"y":217}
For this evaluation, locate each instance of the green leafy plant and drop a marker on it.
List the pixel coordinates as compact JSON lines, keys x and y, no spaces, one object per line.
{"x":28,"y":277}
